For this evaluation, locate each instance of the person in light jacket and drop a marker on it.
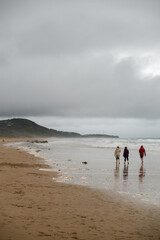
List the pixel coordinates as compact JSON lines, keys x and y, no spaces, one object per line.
{"x":117,"y":155}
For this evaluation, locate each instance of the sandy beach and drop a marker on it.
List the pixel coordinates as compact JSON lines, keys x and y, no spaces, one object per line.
{"x":33,"y":206}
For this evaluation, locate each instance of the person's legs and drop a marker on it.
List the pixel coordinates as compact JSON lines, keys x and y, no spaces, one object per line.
{"x":117,"y":160}
{"x":142,"y":161}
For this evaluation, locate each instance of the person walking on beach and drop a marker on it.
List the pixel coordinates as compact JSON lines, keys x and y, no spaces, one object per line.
{"x":126,"y":155}
{"x":142,"y":153}
{"x":117,"y":154}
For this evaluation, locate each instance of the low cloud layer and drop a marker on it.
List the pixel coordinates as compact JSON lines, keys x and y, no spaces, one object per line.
{"x":83,"y":59}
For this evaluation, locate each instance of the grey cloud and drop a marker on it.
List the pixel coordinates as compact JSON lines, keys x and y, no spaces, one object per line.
{"x":62,"y":28}
{"x":57,"y":58}
{"x":99,"y":89}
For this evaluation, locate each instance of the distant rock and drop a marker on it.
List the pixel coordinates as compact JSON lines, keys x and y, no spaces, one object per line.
{"x":38,"y":150}
{"x":38,"y":141}
{"x":99,"y":136}
{"x":84,"y":162}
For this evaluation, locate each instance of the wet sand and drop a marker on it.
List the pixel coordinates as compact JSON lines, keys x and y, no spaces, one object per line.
{"x":33,"y":206}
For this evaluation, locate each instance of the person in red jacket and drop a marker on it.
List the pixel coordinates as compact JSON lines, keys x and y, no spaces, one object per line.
{"x":142,"y":153}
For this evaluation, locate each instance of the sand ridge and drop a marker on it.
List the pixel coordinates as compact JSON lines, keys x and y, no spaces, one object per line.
{"x":33,"y":206}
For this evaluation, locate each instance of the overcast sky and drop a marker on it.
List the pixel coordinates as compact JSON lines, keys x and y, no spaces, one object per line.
{"x":91,"y":66}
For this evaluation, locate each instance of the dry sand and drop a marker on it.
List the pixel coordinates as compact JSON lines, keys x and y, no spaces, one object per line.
{"x":33,"y":206}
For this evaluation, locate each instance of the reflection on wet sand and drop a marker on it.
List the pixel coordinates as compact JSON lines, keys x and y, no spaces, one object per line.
{"x":125,"y":172}
{"x":116,"y":171}
{"x":141,"y":173}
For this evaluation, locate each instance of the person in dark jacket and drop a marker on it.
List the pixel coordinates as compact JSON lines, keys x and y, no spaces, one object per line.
{"x":126,"y":155}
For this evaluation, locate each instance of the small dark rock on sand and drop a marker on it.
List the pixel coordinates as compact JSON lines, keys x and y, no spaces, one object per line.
{"x":84,"y":162}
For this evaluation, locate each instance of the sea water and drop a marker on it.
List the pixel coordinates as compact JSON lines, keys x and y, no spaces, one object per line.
{"x":67,"y":156}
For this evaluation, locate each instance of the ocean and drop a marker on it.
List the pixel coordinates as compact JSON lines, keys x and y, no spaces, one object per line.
{"x":66,"y":156}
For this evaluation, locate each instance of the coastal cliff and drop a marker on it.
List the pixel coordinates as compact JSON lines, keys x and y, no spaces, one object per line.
{"x":19,"y":127}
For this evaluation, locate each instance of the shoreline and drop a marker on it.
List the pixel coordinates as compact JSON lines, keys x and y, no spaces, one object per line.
{"x":131,"y":191}
{"x":33,"y":206}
